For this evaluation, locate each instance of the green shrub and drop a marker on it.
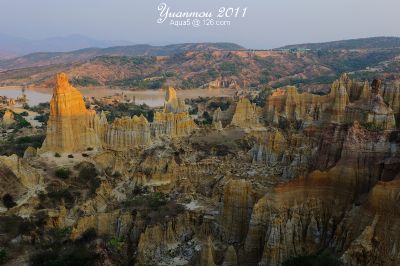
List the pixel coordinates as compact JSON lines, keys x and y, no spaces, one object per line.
{"x":139,"y":82}
{"x":8,"y":201}
{"x":193,"y":111}
{"x":222,"y":105}
{"x":372,"y":127}
{"x":18,"y":145}
{"x":213,"y":73}
{"x":63,"y":173}
{"x":43,"y":118}
{"x":24,"y":113}
{"x":3,"y":256}
{"x":57,"y":154}
{"x":140,"y":189}
{"x":116,"y":243}
{"x":156,"y":200}
{"x":207,"y":118}
{"x":57,"y":197}
{"x":126,"y":109}
{"x":21,"y":122}
{"x":60,"y":233}
{"x":87,"y":173}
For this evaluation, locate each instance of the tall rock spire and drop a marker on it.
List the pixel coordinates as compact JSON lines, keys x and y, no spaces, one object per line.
{"x":172,"y":103}
{"x":339,"y":105}
{"x":174,"y":120}
{"x":68,"y":128}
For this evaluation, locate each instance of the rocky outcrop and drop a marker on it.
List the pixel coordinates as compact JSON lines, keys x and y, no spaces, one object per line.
{"x":230,"y":258}
{"x":112,"y":223}
{"x":244,"y":195}
{"x":391,"y":95}
{"x":172,"y":124}
{"x":288,"y":154}
{"x":206,"y":257}
{"x":71,"y":126}
{"x":363,"y":250}
{"x":297,"y":218}
{"x":309,"y":108}
{"x":238,"y":201}
{"x":174,"y":121}
{"x":225,"y":117}
{"x":340,"y":101}
{"x":111,"y":162}
{"x":347,"y":102}
{"x":126,"y":132}
{"x":170,"y":242}
{"x":372,"y":110}
{"x":172,"y":103}
{"x":246,"y":115}
{"x":8,"y":119}
{"x":30,"y":153}
{"x":24,"y":172}
{"x":269,"y":147}
{"x":18,"y":178}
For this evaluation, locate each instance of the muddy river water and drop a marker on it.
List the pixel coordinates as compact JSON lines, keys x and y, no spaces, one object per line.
{"x":153,"y":98}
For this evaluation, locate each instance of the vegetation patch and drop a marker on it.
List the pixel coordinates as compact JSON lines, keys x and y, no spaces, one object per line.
{"x":63,"y":173}
{"x":126,"y":109}
{"x":155,"y":206}
{"x":18,"y":145}
{"x":84,"y":81}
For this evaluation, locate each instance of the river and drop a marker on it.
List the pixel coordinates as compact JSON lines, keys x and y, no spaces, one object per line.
{"x":153,"y":98}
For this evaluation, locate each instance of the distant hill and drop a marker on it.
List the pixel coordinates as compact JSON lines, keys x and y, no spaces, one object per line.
{"x":363,"y":43}
{"x":44,"y":59}
{"x":16,"y":46}
{"x":193,"y":65}
{"x":312,"y":70}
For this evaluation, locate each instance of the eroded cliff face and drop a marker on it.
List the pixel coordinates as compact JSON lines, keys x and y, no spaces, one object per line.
{"x":238,"y":201}
{"x":346,"y":102}
{"x":70,"y":125}
{"x":391,"y":94}
{"x":174,"y":121}
{"x":224,"y":117}
{"x":19,"y":179}
{"x":126,"y":132}
{"x":299,"y":219}
{"x":246,"y":114}
{"x":73,"y":128}
{"x":172,"y":124}
{"x":172,"y":103}
{"x":253,"y":193}
{"x":373,"y":110}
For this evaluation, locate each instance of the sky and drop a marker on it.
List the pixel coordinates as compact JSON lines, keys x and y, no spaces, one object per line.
{"x":267,"y":24}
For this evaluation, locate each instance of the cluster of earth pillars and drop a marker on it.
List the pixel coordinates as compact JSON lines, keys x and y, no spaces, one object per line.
{"x":304,"y":180}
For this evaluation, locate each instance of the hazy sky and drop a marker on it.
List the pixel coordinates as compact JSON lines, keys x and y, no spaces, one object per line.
{"x":269,"y":23}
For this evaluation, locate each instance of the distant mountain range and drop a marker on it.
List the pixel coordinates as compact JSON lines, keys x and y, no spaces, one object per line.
{"x":49,"y":58}
{"x":11,"y":46}
{"x":194,"y":61}
{"x":363,"y":43}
